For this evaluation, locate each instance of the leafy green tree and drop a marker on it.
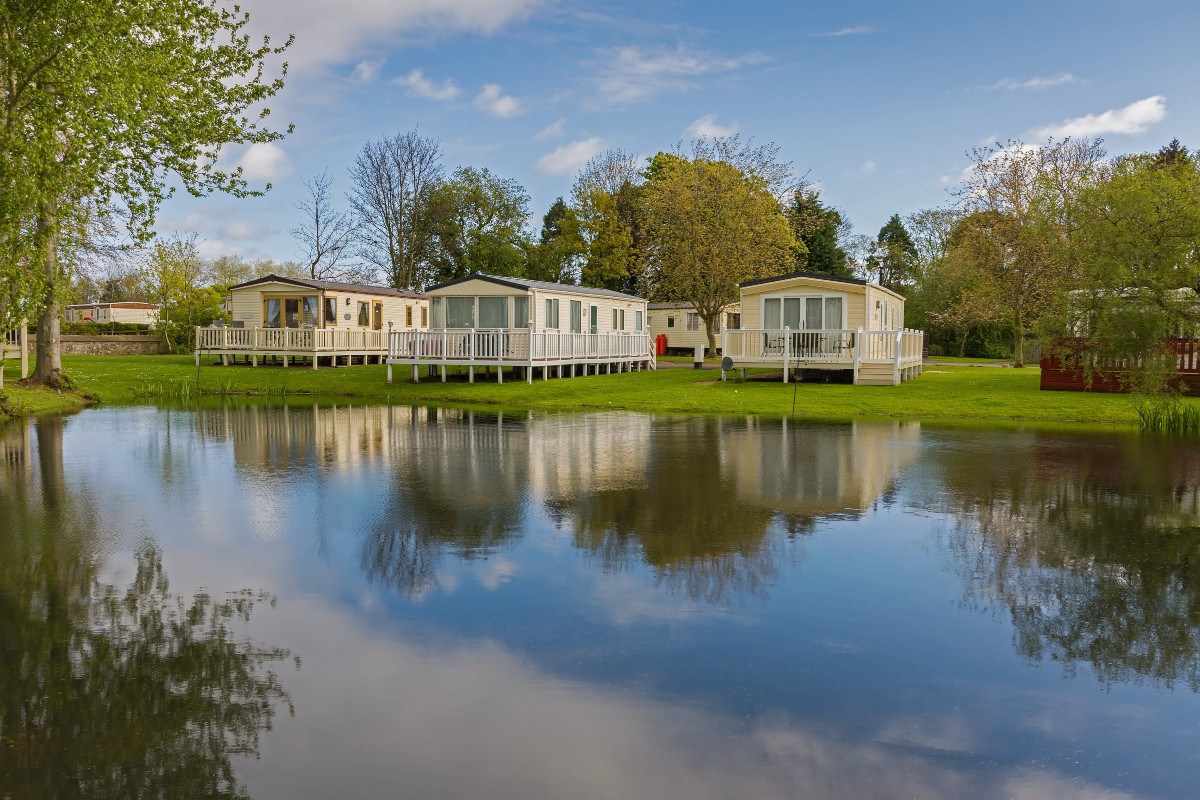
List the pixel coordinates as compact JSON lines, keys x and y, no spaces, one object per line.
{"x":479,"y":225}
{"x":1021,"y":200}
{"x":818,"y":228}
{"x":709,"y":227}
{"x":105,"y":102}
{"x":172,"y":279}
{"x":1138,"y":244}
{"x":556,"y":255}
{"x":894,"y":258}
{"x":606,"y":204}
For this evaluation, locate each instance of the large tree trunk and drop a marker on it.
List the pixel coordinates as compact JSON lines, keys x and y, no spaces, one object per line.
{"x":712,"y":338}
{"x":49,"y":351}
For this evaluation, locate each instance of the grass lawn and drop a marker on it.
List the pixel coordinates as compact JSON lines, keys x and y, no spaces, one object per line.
{"x":942,"y":393}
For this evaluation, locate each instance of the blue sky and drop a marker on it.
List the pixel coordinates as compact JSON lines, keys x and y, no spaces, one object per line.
{"x":878,"y":102}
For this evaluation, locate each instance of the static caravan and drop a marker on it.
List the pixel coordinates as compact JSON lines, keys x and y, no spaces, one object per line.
{"x":292,"y":318}
{"x":805,"y":321}
{"x":125,"y":311}
{"x":486,"y":320}
{"x":683,"y":327}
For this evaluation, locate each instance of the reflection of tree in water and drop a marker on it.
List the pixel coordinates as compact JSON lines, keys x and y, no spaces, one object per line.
{"x":459,"y":489}
{"x":680,"y":516}
{"x":1094,"y":551}
{"x":105,"y":693}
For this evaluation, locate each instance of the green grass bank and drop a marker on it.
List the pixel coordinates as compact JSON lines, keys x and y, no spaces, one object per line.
{"x":942,"y":393}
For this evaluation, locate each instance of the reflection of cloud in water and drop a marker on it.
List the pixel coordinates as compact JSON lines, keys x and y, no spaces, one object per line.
{"x":495,"y":572}
{"x":626,"y":600}
{"x":466,"y":721}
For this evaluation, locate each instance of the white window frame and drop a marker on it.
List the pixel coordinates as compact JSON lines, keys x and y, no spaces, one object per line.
{"x":782,"y":296}
{"x":552,"y":321}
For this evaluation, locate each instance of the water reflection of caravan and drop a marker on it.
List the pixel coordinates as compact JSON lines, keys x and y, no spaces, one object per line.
{"x":816,"y":470}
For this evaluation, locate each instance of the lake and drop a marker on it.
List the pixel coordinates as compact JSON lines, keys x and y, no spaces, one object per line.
{"x":313,"y":601}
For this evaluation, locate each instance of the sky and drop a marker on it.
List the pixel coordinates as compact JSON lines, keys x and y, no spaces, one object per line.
{"x":877,"y":103}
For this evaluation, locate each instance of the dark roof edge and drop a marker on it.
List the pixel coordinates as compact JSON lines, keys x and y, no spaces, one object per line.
{"x":272,"y":278}
{"x":816,"y":275}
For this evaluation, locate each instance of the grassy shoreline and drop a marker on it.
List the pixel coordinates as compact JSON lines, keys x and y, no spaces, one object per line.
{"x":950,"y":393}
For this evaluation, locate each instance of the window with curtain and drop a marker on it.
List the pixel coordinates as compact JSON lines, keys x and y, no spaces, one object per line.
{"x":771,"y":313}
{"x":576,"y":316}
{"x":552,"y":313}
{"x":833,"y":313}
{"x":813,"y":315}
{"x":520,"y":312}
{"x":436,"y":305}
{"x":408,"y":317}
{"x":493,"y":312}
{"x":274,"y":313}
{"x":460,"y":312}
{"x":594,"y":319}
{"x":330,"y":311}
{"x":364,"y":314}
{"x":637,"y":320}
{"x":693,"y":321}
{"x":424,"y":316}
{"x":309,"y":315}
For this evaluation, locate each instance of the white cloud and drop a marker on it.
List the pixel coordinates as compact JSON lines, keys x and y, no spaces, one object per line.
{"x":419,"y":86}
{"x":242,"y":230}
{"x":1132,"y":119}
{"x":854,"y":31}
{"x":707,"y":127}
{"x":265,"y":161}
{"x":866,"y":168}
{"x":367,"y":71}
{"x":493,"y":100}
{"x":569,"y":157}
{"x":328,"y":36}
{"x":552,"y":131}
{"x":1036,"y":83}
{"x":630,"y":74}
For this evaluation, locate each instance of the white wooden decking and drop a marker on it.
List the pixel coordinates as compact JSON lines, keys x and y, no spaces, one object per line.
{"x":875,"y":357}
{"x":291,"y":344}
{"x":529,"y":350}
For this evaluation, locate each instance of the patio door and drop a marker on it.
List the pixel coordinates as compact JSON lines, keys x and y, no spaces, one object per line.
{"x":377,"y":315}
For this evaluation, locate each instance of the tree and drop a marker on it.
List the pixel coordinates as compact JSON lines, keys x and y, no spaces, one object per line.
{"x":173,"y":279}
{"x":108,"y":102}
{"x":556,"y":255}
{"x":480,"y":225}
{"x":817,"y":230}
{"x":895,"y":255}
{"x":606,"y":205}
{"x":1138,"y":243}
{"x":1021,"y":199}
{"x":761,"y":161}
{"x":709,"y":227}
{"x":394,"y":183}
{"x":327,"y":233}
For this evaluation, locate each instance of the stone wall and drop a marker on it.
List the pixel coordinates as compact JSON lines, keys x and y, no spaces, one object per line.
{"x":116,"y":345}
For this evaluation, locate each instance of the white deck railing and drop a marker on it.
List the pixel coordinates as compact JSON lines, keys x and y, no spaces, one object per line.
{"x":295,"y":340}
{"x":790,"y":348}
{"x":483,"y":346}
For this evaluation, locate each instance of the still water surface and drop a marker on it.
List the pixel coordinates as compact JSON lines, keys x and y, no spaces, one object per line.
{"x":378,"y":602}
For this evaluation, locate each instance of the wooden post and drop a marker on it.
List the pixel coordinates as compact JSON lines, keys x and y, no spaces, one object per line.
{"x":500,"y":373}
{"x":858,"y":346}
{"x":24,"y":351}
{"x":787,"y":344}
{"x":896,"y":358}
{"x":416,"y":374}
{"x":443,"y":373}
{"x":471,"y":373}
